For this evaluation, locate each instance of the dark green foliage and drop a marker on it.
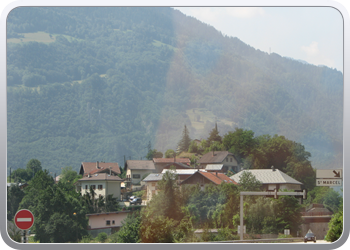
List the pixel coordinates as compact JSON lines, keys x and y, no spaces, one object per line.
{"x":185,"y":141}
{"x":101,"y":237}
{"x":335,"y":227}
{"x":130,"y":230}
{"x":24,"y":175}
{"x":169,"y":153}
{"x":14,"y":197}
{"x":59,"y":214}
{"x":214,"y":137}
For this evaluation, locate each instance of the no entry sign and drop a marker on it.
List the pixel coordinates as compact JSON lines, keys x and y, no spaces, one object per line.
{"x":24,"y":219}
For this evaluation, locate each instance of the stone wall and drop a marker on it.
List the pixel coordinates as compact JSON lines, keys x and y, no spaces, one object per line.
{"x":320,"y":229}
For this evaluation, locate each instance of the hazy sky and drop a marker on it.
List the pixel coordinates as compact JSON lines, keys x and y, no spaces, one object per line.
{"x":312,"y":34}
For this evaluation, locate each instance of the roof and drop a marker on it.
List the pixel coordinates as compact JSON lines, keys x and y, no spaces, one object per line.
{"x":177,"y":165}
{"x":171,"y":160}
{"x":268,"y":176}
{"x":101,"y":176}
{"x":181,"y":171}
{"x":214,"y":166}
{"x":107,"y":213}
{"x":214,"y":157}
{"x":153,"y":177}
{"x":216,"y":178}
{"x":140,"y":164}
{"x":95,"y":167}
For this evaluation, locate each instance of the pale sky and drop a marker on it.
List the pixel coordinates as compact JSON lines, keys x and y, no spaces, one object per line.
{"x":311,"y":34}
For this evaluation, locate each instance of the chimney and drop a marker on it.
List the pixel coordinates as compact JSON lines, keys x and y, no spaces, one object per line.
{"x":97,"y":165}
{"x":273,"y":168}
{"x":110,"y":171}
{"x":216,"y":173}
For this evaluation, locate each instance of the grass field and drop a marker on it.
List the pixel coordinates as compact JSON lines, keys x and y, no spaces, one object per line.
{"x":199,"y":117}
{"x":41,"y":37}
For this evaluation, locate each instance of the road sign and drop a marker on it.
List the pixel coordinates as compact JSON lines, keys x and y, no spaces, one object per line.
{"x":329,"y":173}
{"x":329,"y":182}
{"x":24,"y":219}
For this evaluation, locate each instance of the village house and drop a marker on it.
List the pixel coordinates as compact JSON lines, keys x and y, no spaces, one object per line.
{"x":99,"y":167}
{"x":103,"y":184}
{"x":109,"y":222}
{"x":136,"y":170}
{"x":161,"y":163}
{"x":152,"y":180}
{"x":224,"y":158}
{"x":271,"y":179}
{"x":204,"y":178}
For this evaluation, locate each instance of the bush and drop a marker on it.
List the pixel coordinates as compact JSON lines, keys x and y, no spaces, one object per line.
{"x":102,"y":237}
{"x":113,"y":238}
{"x":86,"y":239}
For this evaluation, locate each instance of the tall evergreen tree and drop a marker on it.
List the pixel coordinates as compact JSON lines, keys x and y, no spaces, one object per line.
{"x":214,"y":136}
{"x":185,"y":141}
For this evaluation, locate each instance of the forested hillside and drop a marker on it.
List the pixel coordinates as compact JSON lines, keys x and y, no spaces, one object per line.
{"x":95,"y":84}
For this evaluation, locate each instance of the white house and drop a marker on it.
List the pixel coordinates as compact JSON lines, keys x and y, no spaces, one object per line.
{"x":103,"y":184}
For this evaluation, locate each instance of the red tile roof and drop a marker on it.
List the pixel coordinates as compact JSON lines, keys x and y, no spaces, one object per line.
{"x":91,"y":167}
{"x":216,"y":178}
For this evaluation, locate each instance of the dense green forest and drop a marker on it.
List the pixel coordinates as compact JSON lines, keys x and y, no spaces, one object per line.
{"x":98,"y":84}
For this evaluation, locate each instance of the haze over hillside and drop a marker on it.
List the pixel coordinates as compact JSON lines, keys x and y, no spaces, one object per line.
{"x":95,"y":84}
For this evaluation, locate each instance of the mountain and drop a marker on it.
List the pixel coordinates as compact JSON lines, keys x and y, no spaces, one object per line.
{"x":100,"y":83}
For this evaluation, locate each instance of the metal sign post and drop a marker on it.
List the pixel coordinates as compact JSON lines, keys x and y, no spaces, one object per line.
{"x":329,"y":177}
{"x":24,"y":219}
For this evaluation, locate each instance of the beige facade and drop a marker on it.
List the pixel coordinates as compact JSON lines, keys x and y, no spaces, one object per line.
{"x":107,"y":220}
{"x":102,"y":184}
{"x":152,"y":189}
{"x":137,"y":174}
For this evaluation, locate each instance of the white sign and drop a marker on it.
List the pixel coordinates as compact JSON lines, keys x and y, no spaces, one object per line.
{"x":239,"y":229}
{"x":329,"y":173}
{"x":329,"y":182}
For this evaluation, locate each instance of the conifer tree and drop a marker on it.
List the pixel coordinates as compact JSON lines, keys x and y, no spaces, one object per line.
{"x":185,"y":141}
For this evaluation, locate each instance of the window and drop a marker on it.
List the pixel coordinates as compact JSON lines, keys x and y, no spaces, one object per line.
{"x":153,"y":184}
{"x":86,"y":187}
{"x":136,"y":176}
{"x":100,"y":187}
{"x":226,"y":159}
{"x":230,"y":159}
{"x":108,"y":222}
{"x":113,"y":222}
{"x":93,"y":187}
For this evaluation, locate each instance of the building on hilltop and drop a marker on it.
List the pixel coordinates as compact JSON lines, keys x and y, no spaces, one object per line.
{"x":224,"y":158}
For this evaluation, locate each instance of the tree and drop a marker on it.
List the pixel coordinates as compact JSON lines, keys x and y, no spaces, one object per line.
{"x":335,"y":227}
{"x":248,"y":182}
{"x":185,"y":141}
{"x":33,"y":166}
{"x":59,"y":213}
{"x":169,"y":153}
{"x":214,"y":136}
{"x":240,"y":142}
{"x":130,"y":229}
{"x":154,"y":154}
{"x":14,"y":197}
{"x":163,"y":213}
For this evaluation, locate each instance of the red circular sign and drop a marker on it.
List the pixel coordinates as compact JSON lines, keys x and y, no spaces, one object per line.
{"x":24,"y":219}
